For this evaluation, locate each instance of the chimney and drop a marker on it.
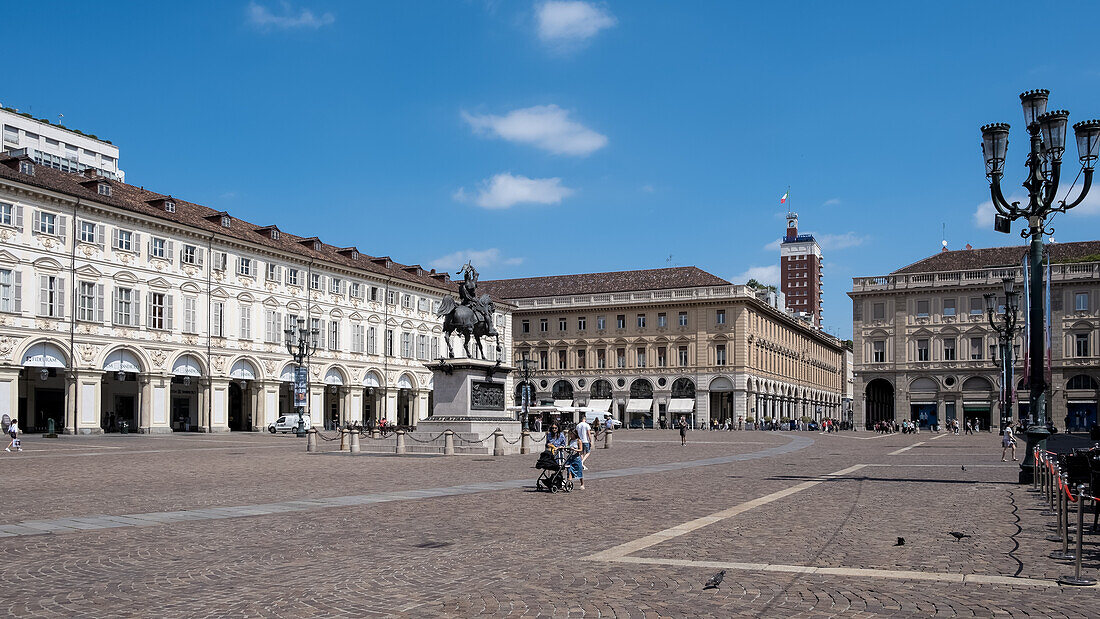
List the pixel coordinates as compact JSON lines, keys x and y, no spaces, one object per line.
{"x":969,"y":246}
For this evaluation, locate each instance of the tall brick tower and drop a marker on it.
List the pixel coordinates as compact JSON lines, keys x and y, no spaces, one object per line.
{"x":801,"y":270}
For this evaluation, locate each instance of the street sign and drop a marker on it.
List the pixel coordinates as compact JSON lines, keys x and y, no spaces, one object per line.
{"x":301,"y":385}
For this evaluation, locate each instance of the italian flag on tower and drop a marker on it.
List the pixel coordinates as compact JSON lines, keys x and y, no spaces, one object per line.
{"x":783,"y":200}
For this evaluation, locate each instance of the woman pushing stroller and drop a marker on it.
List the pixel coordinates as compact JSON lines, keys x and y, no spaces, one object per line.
{"x":561,"y":462}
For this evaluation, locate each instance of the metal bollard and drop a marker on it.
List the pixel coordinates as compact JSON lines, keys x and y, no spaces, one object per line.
{"x":344,"y":439}
{"x":1077,"y":580}
{"x":448,"y":443}
{"x":525,"y":442}
{"x":1063,"y":524}
{"x":311,"y":441}
{"x":607,"y":438}
{"x":354,"y":444}
{"x":498,"y":442}
{"x":400,"y":441}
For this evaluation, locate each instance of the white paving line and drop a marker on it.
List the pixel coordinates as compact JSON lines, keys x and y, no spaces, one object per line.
{"x":682,"y":529}
{"x":690,"y":442}
{"x":905,"y":449}
{"x":846,"y":571}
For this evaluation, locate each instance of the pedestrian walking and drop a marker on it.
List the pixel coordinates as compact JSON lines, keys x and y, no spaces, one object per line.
{"x":968,"y":427}
{"x":584,"y":434}
{"x":683,"y":431}
{"x":13,"y":431}
{"x":576,"y":461}
{"x":1008,"y":441}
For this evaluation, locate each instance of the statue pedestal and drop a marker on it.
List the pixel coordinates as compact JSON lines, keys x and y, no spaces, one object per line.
{"x":469,"y":399}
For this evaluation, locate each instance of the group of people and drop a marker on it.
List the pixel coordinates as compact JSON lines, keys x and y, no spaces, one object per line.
{"x":578,"y":442}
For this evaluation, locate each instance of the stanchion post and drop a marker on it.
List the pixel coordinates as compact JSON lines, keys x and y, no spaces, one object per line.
{"x":400,"y":449}
{"x":498,"y":442}
{"x":354,"y":444}
{"x":525,"y":442}
{"x":607,"y":438}
{"x":311,"y":440}
{"x":1035,"y":478}
{"x":1063,"y":521}
{"x":1077,"y":580}
{"x":448,"y":443}
{"x":1049,"y":511}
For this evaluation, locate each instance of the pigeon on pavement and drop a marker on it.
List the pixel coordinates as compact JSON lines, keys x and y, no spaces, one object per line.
{"x":958,"y":536}
{"x":901,"y":541}
{"x":715,"y":580}
{"x":964,"y":467}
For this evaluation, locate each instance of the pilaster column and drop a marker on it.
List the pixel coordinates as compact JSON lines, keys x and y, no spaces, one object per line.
{"x":159,"y":403}
{"x":71,"y":384}
{"x":317,"y":410}
{"x":9,"y":391}
{"x":89,"y":401}
{"x":219,"y":406}
{"x":421,"y":404}
{"x":390,"y":405}
{"x":145,"y":402}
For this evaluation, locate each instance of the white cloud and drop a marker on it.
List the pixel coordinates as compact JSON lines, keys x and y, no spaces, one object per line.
{"x":648,"y":188}
{"x":571,"y":22}
{"x":774,"y":245}
{"x":505,"y":190}
{"x":832,"y":202}
{"x":545,"y":126}
{"x":983,"y":215}
{"x":765,"y":275}
{"x":984,"y":212}
{"x":480,"y":258}
{"x":287,"y":18}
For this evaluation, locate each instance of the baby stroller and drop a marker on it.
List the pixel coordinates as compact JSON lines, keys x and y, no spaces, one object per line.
{"x":553,"y":477}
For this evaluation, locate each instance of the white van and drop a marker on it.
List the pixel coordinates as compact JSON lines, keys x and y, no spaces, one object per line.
{"x":288,"y":423}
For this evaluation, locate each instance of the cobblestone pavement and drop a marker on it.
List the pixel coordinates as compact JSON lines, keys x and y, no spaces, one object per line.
{"x":805,"y":525}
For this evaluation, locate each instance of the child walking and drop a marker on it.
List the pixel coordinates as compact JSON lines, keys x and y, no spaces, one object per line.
{"x":13,"y":430}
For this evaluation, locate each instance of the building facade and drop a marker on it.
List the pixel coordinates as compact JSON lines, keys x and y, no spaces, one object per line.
{"x":121,"y":306}
{"x":924,"y":350}
{"x":57,"y":147}
{"x":661,"y":343}
{"x":801,"y":272}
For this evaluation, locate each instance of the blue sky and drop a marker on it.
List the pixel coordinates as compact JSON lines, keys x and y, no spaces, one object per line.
{"x":561,"y":137}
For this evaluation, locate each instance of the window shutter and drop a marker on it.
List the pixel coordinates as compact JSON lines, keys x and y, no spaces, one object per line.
{"x":198,"y":256}
{"x":149,"y":248}
{"x":18,"y":291}
{"x":60,"y":298}
{"x":149,"y":312}
{"x":114,"y":306}
{"x":278,"y":321}
{"x":170,"y":251}
{"x":43,"y":293}
{"x":323,"y":336}
{"x":137,"y":308}
{"x":168,"y":311}
{"x":61,"y":227}
{"x":100,"y":233}
{"x":37,"y":222}
{"x":135,"y":244}
{"x":99,"y":302}
{"x":19,"y":217}
{"x":114,"y":238}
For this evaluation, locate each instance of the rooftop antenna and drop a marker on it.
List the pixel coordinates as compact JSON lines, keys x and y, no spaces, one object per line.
{"x":943,"y":236}
{"x":668,"y":261}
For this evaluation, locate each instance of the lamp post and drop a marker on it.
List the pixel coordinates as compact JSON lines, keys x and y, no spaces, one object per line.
{"x":1047,"y":133}
{"x":300,"y":343}
{"x":525,"y":368}
{"x":1006,"y":336}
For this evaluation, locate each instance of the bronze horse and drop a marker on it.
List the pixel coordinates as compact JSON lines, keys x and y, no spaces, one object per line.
{"x":466,"y":321}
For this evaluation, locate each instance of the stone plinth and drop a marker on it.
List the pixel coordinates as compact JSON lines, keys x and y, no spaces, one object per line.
{"x":469,"y":399}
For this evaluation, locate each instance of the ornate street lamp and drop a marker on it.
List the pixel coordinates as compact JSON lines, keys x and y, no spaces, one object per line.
{"x":300,"y":343}
{"x":1047,"y":132}
{"x":525,"y":367}
{"x":1006,"y":335}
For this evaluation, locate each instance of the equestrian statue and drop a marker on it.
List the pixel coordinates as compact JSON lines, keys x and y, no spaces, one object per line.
{"x":471,"y":315}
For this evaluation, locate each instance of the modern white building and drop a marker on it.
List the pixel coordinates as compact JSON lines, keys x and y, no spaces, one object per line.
{"x":56,"y":146}
{"x":119,"y":306}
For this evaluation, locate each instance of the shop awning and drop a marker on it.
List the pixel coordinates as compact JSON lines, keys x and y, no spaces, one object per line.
{"x":599,"y":405}
{"x":563,"y":403}
{"x":639,"y":406}
{"x":681,"y":405}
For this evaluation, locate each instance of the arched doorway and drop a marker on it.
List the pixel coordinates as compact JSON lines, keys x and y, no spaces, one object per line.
{"x":372,"y":396}
{"x":121,"y":401}
{"x":562,"y":392}
{"x":404,"y":401}
{"x":184,"y":394}
{"x":1082,"y":392}
{"x":42,"y":388}
{"x":683,"y":400}
{"x":978,"y":401}
{"x":241,"y":405}
{"x":639,"y":408}
{"x":721,"y":399}
{"x":334,"y":389}
{"x":880,"y":402}
{"x":923,"y":409}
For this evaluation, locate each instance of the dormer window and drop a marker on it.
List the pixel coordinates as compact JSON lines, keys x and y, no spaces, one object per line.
{"x":274,"y":234}
{"x":225,"y":221}
{"x":354,"y":255}
{"x":169,"y":206}
{"x":317,"y":246}
{"x":103,"y":189}
{"x":26,"y":167}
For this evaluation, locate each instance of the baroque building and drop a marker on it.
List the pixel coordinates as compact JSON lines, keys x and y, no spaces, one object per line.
{"x":656,"y":344}
{"x":924,"y":350}
{"x":120,"y":306}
